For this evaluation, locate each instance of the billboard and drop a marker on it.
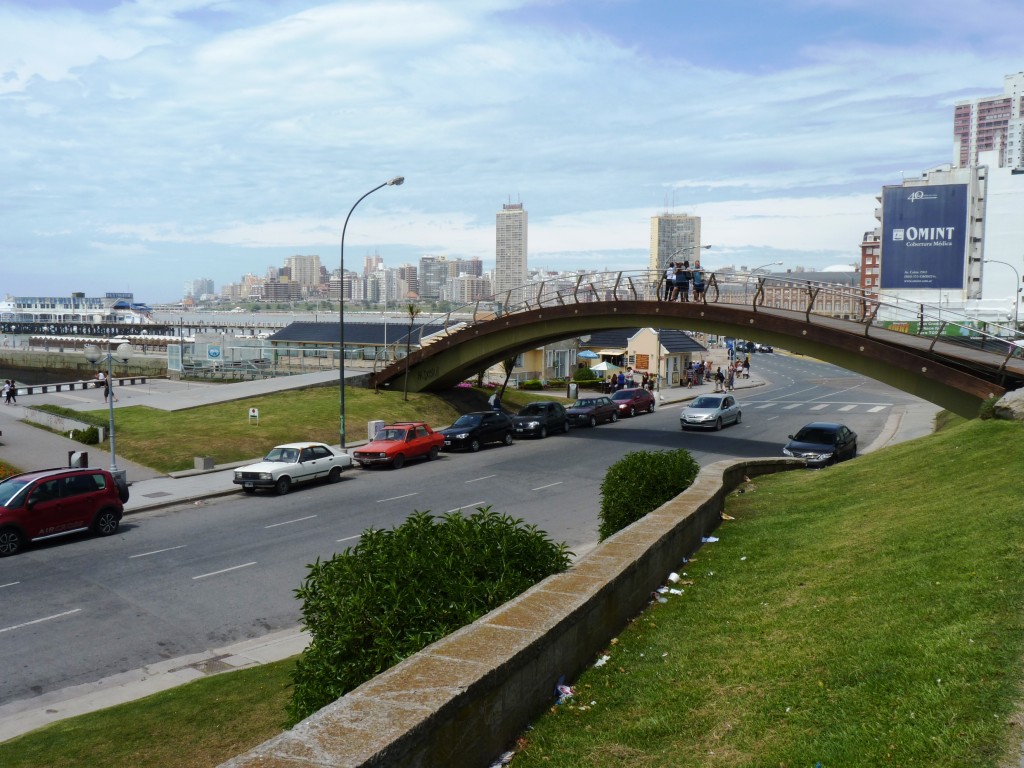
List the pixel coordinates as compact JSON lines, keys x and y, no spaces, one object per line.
{"x":924,"y":236}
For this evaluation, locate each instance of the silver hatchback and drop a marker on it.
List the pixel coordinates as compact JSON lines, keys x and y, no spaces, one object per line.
{"x":710,"y":412}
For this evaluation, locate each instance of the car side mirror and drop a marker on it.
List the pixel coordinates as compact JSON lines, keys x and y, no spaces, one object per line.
{"x":792,"y":438}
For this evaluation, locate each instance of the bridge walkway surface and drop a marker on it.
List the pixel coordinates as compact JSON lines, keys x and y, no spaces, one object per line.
{"x":25,"y":445}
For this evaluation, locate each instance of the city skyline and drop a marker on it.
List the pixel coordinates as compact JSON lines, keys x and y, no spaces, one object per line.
{"x":147,"y":144}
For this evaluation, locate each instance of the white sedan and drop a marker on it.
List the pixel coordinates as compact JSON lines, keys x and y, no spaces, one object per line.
{"x":293,"y":463}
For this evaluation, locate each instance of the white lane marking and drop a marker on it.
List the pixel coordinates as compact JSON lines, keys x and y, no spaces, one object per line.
{"x":40,"y":621}
{"x":549,"y":485}
{"x":770,"y":418}
{"x":847,"y":408}
{"x":833,"y":395}
{"x":11,"y":584}
{"x":395,"y":498}
{"x":791,"y":407}
{"x":766,"y":405}
{"x":348,"y":538}
{"x":819,"y":407}
{"x":157,"y":551}
{"x":225,"y":570}
{"x":876,"y":409}
{"x":478,"y":479}
{"x":465,"y":506}
{"x":289,"y":522}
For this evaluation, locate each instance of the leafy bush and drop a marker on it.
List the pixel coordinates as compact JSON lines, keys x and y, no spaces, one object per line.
{"x":640,"y":482}
{"x":531,"y":384}
{"x":399,"y":590}
{"x":584,"y":374}
{"x":89,"y":436}
{"x":988,"y":407}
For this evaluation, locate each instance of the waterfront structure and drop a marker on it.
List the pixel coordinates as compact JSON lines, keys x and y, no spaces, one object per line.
{"x":510,"y":253}
{"x":991,"y":124}
{"x":671,"y":234}
{"x":76,"y":308}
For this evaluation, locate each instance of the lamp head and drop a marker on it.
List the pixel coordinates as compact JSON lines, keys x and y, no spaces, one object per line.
{"x":123,"y":352}
{"x":397,"y":181}
{"x":92,"y":353}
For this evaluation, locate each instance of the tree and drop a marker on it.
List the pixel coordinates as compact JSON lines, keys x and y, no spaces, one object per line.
{"x":413,"y":310}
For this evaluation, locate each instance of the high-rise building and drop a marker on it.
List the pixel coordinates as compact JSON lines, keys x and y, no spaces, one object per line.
{"x":433,"y":274}
{"x":673,"y":234}
{"x":510,"y":251}
{"x":304,"y":270}
{"x":991,"y":123}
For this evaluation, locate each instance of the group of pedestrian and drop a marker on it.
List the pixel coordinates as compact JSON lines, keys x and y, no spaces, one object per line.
{"x":10,"y":392}
{"x":679,"y":277}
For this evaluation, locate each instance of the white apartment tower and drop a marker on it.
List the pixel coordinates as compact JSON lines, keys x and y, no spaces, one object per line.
{"x":510,"y":251}
{"x":991,"y":124}
{"x":675,"y":234}
{"x":305,"y":270}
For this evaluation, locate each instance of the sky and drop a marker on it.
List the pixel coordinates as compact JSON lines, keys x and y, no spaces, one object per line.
{"x":147,"y":143}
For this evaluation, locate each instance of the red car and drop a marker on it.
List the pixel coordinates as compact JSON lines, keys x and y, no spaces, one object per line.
{"x":395,"y":444}
{"x":633,"y":401}
{"x":54,"y":502}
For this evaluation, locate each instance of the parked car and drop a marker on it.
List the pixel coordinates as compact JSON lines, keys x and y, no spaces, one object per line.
{"x":396,"y":443}
{"x":633,"y":400}
{"x":472,"y":430}
{"x":821,"y":443}
{"x":710,"y":412}
{"x":55,"y":502}
{"x":292,"y":463}
{"x":540,"y":419}
{"x":764,"y":348}
{"x":591,"y":411}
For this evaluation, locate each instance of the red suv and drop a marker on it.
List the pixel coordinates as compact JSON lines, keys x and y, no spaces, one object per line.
{"x":53,"y":502}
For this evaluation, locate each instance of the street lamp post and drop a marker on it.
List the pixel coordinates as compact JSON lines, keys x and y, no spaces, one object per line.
{"x":1016,"y":290}
{"x":397,"y":181}
{"x":746,"y":282}
{"x":122,"y":354}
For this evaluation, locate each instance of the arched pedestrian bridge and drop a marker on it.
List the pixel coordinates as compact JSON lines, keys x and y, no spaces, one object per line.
{"x":925,"y":350}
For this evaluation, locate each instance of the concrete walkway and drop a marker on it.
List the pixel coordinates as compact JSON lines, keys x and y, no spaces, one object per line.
{"x":25,"y":445}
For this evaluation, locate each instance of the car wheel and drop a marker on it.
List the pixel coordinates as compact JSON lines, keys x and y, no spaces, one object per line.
{"x":433,"y":453}
{"x":250,"y":491}
{"x":543,"y":433}
{"x":334,"y":475}
{"x":718,"y":424}
{"x":650,"y":408}
{"x":283,"y":485}
{"x":106,"y":523}
{"x":632,"y":410}
{"x":398,"y":462}
{"x":739,"y":416}
{"x":507,"y":440}
{"x":11,"y":542}
{"x":615,"y":417}
{"x":565,"y":426}
{"x":474,"y":445}
{"x":593,"y":421}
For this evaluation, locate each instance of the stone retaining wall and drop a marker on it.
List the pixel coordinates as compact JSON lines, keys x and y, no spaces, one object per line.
{"x":462,"y":700}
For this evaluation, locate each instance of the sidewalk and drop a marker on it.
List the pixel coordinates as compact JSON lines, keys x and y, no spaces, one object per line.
{"x":151,"y":490}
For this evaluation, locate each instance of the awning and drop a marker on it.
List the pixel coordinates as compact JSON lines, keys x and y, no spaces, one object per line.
{"x":611,"y":351}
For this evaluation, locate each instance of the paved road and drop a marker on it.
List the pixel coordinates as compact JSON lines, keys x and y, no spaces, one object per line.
{"x":181,"y":580}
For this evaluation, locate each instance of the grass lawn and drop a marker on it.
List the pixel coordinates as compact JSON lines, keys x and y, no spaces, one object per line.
{"x":865,"y":615}
{"x":170,"y":441}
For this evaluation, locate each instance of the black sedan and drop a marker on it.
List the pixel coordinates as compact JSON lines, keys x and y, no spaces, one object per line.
{"x":821,"y":443}
{"x":472,"y":430}
{"x":591,"y":411}
{"x":541,"y":419}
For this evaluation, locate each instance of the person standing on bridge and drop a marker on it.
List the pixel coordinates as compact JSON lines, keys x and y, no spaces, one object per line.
{"x":683,"y":276}
{"x":698,"y":281}
{"x":670,"y":280}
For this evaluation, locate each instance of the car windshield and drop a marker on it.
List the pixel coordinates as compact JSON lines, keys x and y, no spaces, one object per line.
{"x":467,"y":420}
{"x":532,"y":410}
{"x":706,"y":402}
{"x":390,"y":434}
{"x":10,"y":490}
{"x":287,"y":455}
{"x":623,"y":394}
{"x":584,"y":404}
{"x":825,"y":436}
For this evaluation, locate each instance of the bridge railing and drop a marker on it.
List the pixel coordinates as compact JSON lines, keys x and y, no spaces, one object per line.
{"x":752,"y":290}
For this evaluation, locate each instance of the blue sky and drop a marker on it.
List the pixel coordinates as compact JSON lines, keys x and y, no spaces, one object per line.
{"x":147,"y":143}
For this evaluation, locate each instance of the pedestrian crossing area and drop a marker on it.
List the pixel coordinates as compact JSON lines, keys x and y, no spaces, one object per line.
{"x":813,"y":406}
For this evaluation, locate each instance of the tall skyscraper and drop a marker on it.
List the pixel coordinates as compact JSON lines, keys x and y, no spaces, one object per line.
{"x":672,"y":233}
{"x":510,"y":251}
{"x":305,"y":270}
{"x":991,"y":123}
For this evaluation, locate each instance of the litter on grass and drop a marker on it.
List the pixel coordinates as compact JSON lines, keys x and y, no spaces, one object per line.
{"x":602,"y":661}
{"x":709,"y":539}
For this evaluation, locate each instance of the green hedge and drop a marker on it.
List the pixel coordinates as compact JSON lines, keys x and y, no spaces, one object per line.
{"x":399,"y":590}
{"x":640,"y":482}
